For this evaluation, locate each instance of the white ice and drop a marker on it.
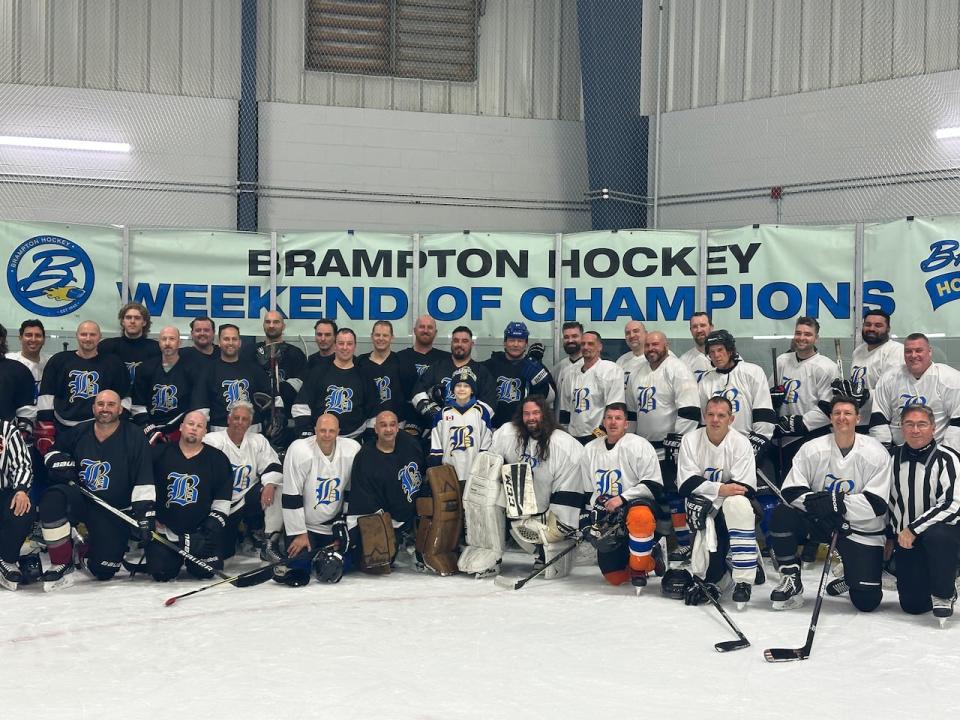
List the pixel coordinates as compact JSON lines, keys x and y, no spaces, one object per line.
{"x":410,"y":645}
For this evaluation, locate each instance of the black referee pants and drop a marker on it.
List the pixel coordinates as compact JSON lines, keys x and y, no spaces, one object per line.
{"x":929,"y":568}
{"x":13,"y":529}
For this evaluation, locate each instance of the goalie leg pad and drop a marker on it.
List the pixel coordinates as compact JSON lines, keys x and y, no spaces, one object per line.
{"x":640,"y":527}
{"x":484,"y":516}
{"x":741,"y":527}
{"x":562,"y":567}
{"x":440,"y":521}
{"x":378,"y":543}
{"x":518,"y":489}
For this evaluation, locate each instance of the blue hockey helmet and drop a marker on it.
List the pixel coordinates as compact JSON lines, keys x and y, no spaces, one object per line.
{"x":516,"y":330}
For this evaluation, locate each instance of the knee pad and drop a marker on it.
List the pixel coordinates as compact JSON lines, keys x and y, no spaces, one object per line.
{"x":865,"y":599}
{"x":640,"y":521}
{"x":617,"y":577}
{"x":164,"y":576}
{"x":738,"y":512}
{"x":102,"y":569}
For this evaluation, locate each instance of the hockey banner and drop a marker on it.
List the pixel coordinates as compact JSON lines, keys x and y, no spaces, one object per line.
{"x":61,"y":274}
{"x":761,"y":278}
{"x":182,"y":274}
{"x":610,"y":277}
{"x":911,"y":269}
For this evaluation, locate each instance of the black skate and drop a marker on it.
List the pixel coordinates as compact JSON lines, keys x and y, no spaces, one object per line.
{"x":58,"y":577}
{"x":741,"y":594}
{"x":789,"y":593}
{"x":10,"y":576}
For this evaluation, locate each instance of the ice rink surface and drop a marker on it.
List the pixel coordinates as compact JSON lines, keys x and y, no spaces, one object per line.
{"x":412,"y":645}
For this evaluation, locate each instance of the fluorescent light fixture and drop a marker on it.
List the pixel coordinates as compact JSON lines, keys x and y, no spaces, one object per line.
{"x":773,"y":337}
{"x":62,"y":144}
{"x":936,"y":335}
{"x":950,"y":132}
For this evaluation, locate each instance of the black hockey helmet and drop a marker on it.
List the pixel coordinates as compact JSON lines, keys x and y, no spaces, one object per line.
{"x":720,"y":337}
{"x":674,"y":583}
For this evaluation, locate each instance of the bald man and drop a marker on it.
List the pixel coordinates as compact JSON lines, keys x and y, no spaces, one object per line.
{"x":414,"y":362}
{"x":162,"y":390}
{"x":635,"y":335}
{"x":109,"y":457}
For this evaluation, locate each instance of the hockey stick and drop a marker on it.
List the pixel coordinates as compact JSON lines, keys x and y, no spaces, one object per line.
{"x":154,"y":534}
{"x":727,"y":645}
{"x":802,"y":653}
{"x":505,"y":582}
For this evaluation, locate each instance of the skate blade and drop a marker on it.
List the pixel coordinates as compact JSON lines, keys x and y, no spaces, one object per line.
{"x":64,"y":582}
{"x":741,"y":606}
{"x":8,"y":584}
{"x":638,"y":591}
{"x":943,"y":622}
{"x":791,"y":604}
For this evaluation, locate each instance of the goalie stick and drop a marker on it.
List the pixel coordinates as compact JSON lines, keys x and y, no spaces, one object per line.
{"x":802,"y":653}
{"x":727,"y":645}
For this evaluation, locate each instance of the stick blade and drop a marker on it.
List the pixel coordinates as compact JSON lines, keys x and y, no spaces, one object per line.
{"x":731,"y":645}
{"x":254,"y":578}
{"x":169,"y":601}
{"x":508,"y":583}
{"x":784,"y":654}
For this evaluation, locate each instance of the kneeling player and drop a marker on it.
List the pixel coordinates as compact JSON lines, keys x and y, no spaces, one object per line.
{"x":316,"y":478}
{"x":839,"y":483}
{"x":194,"y":484}
{"x":16,"y":512}
{"x":717,"y":475}
{"x":624,"y":473}
{"x":111,"y":459}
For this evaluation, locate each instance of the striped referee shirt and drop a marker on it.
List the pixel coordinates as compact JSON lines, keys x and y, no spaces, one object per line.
{"x":924,"y":490}
{"x":16,"y":468}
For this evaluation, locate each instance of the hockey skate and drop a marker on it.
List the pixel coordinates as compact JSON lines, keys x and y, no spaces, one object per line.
{"x":681,"y":555}
{"x":741,"y":594}
{"x":58,"y":577}
{"x":638,"y":578}
{"x":942,"y":608}
{"x":10,"y":576}
{"x":838,"y":587}
{"x":490,"y":571}
{"x":789,"y":593}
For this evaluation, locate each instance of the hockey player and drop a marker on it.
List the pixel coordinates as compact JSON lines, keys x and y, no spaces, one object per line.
{"x":414,"y":362}
{"x":560,"y":491}
{"x":133,"y":346}
{"x":230,"y":378}
{"x":338,"y":388}
{"x":316,"y":479}
{"x":110,"y":458}
{"x":745,"y":386}
{"x":919,"y":381}
{"x":635,"y":335}
{"x":623,"y":472}
{"x":194,"y":482}
{"x":924,"y":510}
{"x":518,"y":372}
{"x":872,"y":358}
{"x":562,"y":369}
{"x":463,"y":428}
{"x":17,"y":390}
{"x":696,"y":357}
{"x":16,"y":511}
{"x":325,"y":336}
{"x":383,"y":370}
{"x":32,"y":339}
{"x":588,"y":389}
{"x":163,"y":390}
{"x":202,"y":331}
{"x":381,"y":506}
{"x":717,"y":475}
{"x":838,"y":483}
{"x":256,"y":475}
{"x":663,"y":405}
{"x":71,"y":380}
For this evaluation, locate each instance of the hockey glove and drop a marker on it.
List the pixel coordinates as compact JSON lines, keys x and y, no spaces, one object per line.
{"x":759,"y":442}
{"x":146,"y":526}
{"x":328,"y":566}
{"x":210,"y":529}
{"x":438,"y":394}
{"x":671,"y":445}
{"x":61,"y":468}
{"x":698,"y":510}
{"x":778,"y":395}
{"x":276,"y":426}
{"x":826,"y":508}
{"x":536,"y":352}
{"x":428,"y":409}
{"x":532,"y":371}
{"x":44,"y":433}
{"x":340,"y":535}
{"x":153,"y":434}
{"x":26,"y":431}
{"x":695,"y":594}
{"x":855,"y":391}
{"x":793,"y":425}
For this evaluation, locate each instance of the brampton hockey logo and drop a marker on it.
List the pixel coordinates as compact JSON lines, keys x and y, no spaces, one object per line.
{"x":339,"y":399}
{"x":508,"y":389}
{"x":581,"y":400}
{"x":791,"y":390}
{"x":182,"y":489}
{"x":859,"y":375}
{"x":713,"y":474}
{"x":164,"y":398}
{"x":646,"y":399}
{"x":235,"y":390}
{"x":699,"y":374}
{"x":132,"y":369}
{"x":409,"y":477}
{"x":50,"y":275}
{"x":241,"y":477}
{"x":461,"y":438}
{"x":421,"y":369}
{"x":531,"y":460}
{"x":909,"y":400}
{"x":95,"y":474}
{"x":608,"y":481}
{"x":832,"y":483}
{"x":731,"y":394}
{"x":383,"y":388}
{"x":946,"y":287}
{"x":328,"y":491}
{"x":83,"y":384}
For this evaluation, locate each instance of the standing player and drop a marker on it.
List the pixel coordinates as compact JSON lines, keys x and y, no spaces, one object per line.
{"x":16,"y":511}
{"x":924,"y":510}
{"x":635,"y":335}
{"x":434,"y":389}
{"x":518,"y":372}
{"x":316,"y":479}
{"x":133,"y":346}
{"x":414,"y":362}
{"x":32,"y":339}
{"x":111,"y":459}
{"x":572,"y":336}
{"x":383,"y":370}
{"x":163,"y":390}
{"x":337,"y":388}
{"x":193,"y":487}
{"x":202,"y":330}
{"x":256,"y":475}
{"x":717,"y":475}
{"x":325,"y":336}
{"x":623,"y":472}
{"x":588,"y":389}
{"x":696,"y":357}
{"x":919,"y":381}
{"x":462,"y":429}
{"x":872,"y":358}
{"x":17,"y":390}
{"x":838,"y":483}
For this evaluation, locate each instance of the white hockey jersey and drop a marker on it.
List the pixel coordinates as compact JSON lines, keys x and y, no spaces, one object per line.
{"x":747,"y":390}
{"x":938,"y":388}
{"x":629,"y":469}
{"x":630,"y":363}
{"x":663,"y":401}
{"x":315,"y":485}
{"x":562,"y":374}
{"x":865,"y":475}
{"x":558,"y":481}
{"x":869,"y":366}
{"x":806,"y":384}
{"x":702,"y":466}
{"x":253,"y":460}
{"x":459,"y":435}
{"x":587,"y":393}
{"x":697,"y":361}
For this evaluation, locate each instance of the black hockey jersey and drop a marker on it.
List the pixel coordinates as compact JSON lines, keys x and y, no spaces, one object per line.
{"x":291,"y":367}
{"x":345,"y":393}
{"x":162,"y":396}
{"x":16,"y":391}
{"x":511,"y":385}
{"x":226,"y":382}
{"x":389,"y":392}
{"x":132,"y":352}
{"x":386,"y":481}
{"x":70,"y":383}
{"x":441,"y":372}
{"x":190,"y":489}
{"x":413,"y":365}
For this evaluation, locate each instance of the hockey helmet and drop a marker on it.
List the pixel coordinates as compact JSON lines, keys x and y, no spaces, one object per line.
{"x":516,"y":330}
{"x":720,"y":337}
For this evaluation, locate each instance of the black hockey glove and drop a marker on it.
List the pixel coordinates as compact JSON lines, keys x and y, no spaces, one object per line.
{"x":340,"y":535}
{"x":428,"y":409}
{"x":856,"y":391}
{"x":438,"y":394}
{"x":532,"y":371}
{"x":671,"y":445}
{"x":153,"y":434}
{"x":276,"y":425}
{"x":208,"y":538}
{"x":146,"y":527}
{"x":698,"y":510}
{"x":328,"y":566}
{"x":793,"y":425}
{"x":826,"y":508}
{"x":26,"y":430}
{"x":778,"y":395}
{"x":760,"y":444}
{"x":61,"y":468}
{"x":536,"y":351}
{"x":695,"y":594}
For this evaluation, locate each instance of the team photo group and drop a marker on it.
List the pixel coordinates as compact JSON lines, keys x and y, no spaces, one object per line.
{"x":135,"y":456}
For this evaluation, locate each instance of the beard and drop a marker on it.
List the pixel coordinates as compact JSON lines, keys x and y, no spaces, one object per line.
{"x":571,"y":348}
{"x":874,"y":338}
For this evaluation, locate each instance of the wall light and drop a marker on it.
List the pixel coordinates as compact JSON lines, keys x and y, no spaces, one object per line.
{"x":950,"y":132}
{"x":61,"y":144}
